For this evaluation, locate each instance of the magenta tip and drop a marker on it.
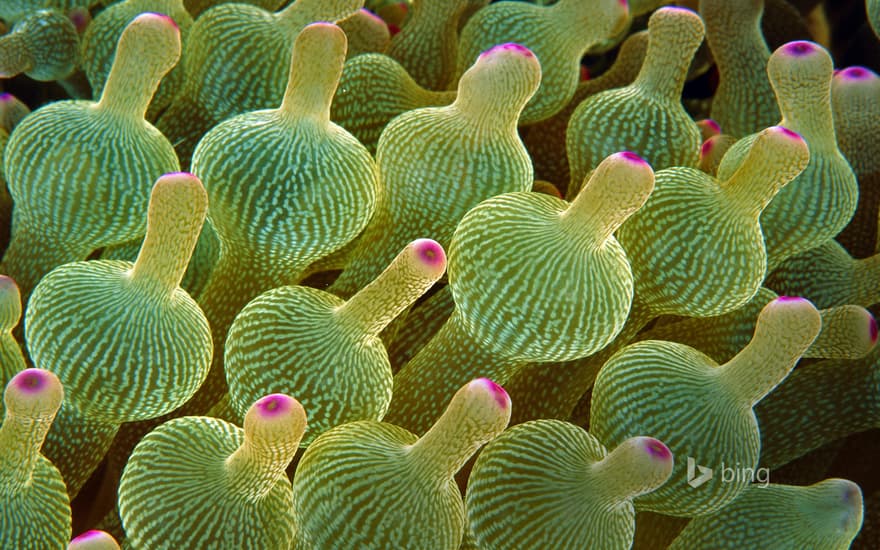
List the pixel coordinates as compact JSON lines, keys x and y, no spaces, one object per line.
{"x":430,"y":252}
{"x":854,"y":73}
{"x":180,"y":174}
{"x":707,"y":146}
{"x":372,"y":15}
{"x":91,"y":534}
{"x":872,"y":330}
{"x":790,"y":133}
{"x":789,"y":299}
{"x":632,"y":157}
{"x":6,"y":96}
{"x":273,"y":405}
{"x":509,"y":47}
{"x":657,"y":449}
{"x":799,"y":48}
{"x":30,"y":380}
{"x":6,"y":282}
{"x":497,"y":392}
{"x":712,"y":124}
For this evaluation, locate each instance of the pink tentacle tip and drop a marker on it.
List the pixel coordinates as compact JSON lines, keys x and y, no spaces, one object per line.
{"x":499,"y":393}
{"x":790,"y":133}
{"x":712,"y":124}
{"x":657,"y":449}
{"x":275,"y":404}
{"x":790,"y":299}
{"x":706,"y":147}
{"x":799,"y":48}
{"x":854,"y":73}
{"x":6,"y":96}
{"x":6,"y":283}
{"x":632,"y":157}
{"x":872,"y":330}
{"x":429,"y":252}
{"x":90,"y":535}
{"x":30,"y":380}
{"x":509,"y":47}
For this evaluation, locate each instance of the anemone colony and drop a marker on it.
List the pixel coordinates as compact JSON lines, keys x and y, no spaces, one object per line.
{"x":660,"y":224}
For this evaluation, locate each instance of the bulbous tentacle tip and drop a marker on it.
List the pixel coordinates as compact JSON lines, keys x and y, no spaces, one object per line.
{"x":799,"y":48}
{"x":854,"y":73}
{"x":872,"y":330}
{"x":7,"y":284}
{"x":430,"y":253}
{"x":160,"y":18}
{"x":33,"y":393}
{"x":275,"y":405}
{"x":786,"y":132}
{"x":631,"y":157}
{"x":790,"y":299}
{"x":6,"y":97}
{"x":32,"y":380}
{"x":509,"y":47}
{"x":657,"y":449}
{"x":495,"y":390}
{"x":94,"y":540}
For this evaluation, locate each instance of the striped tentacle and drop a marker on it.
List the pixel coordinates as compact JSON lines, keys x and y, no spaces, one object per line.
{"x":645,"y":117}
{"x":697,"y":246}
{"x":286,"y":187}
{"x":11,"y":358}
{"x":374,"y":89}
{"x":545,"y":140}
{"x":828,"y":276}
{"x":44,"y":45}
{"x":855,"y":100}
{"x":817,"y":404}
{"x":507,"y":311}
{"x":102,"y":34}
{"x":366,"y":32}
{"x":369,"y":485}
{"x":306,"y":342}
{"x":743,"y":103}
{"x":697,"y":408}
{"x":222,"y":486}
{"x":437,"y":163}
{"x":129,"y":343}
{"x":550,"y":484}
{"x":827,"y":514}
{"x":34,"y":507}
{"x":559,"y":35}
{"x":427,"y":46}
{"x":237,"y":61}
{"x":820,"y":202}
{"x":97,"y":161}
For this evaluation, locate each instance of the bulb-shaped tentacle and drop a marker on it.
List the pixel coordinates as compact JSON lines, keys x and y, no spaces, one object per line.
{"x":371,"y":484}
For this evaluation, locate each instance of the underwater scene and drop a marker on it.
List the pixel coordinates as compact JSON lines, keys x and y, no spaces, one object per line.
{"x":439,"y":274}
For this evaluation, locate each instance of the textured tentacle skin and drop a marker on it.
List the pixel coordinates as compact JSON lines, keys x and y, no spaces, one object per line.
{"x":438,"y":163}
{"x":697,"y":408}
{"x":559,"y":35}
{"x":34,"y":507}
{"x":545,"y":140}
{"x":828,"y":276}
{"x":820,"y":202}
{"x":43,"y":45}
{"x":224,"y":486}
{"x":507,"y":312}
{"x":143,"y":345}
{"x":237,"y":61}
{"x":848,"y":332}
{"x":374,"y":89}
{"x":102,"y":34}
{"x":427,"y":46}
{"x":98,"y":161}
{"x":827,"y":514}
{"x":375,"y":485}
{"x":855,"y":100}
{"x":306,"y":342}
{"x":550,"y":484}
{"x":720,"y":262}
{"x":315,"y":190}
{"x":197,"y":7}
{"x":11,"y":358}
{"x":645,"y":117}
{"x":366,"y":33}
{"x":817,"y":404}
{"x":744,"y":102}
